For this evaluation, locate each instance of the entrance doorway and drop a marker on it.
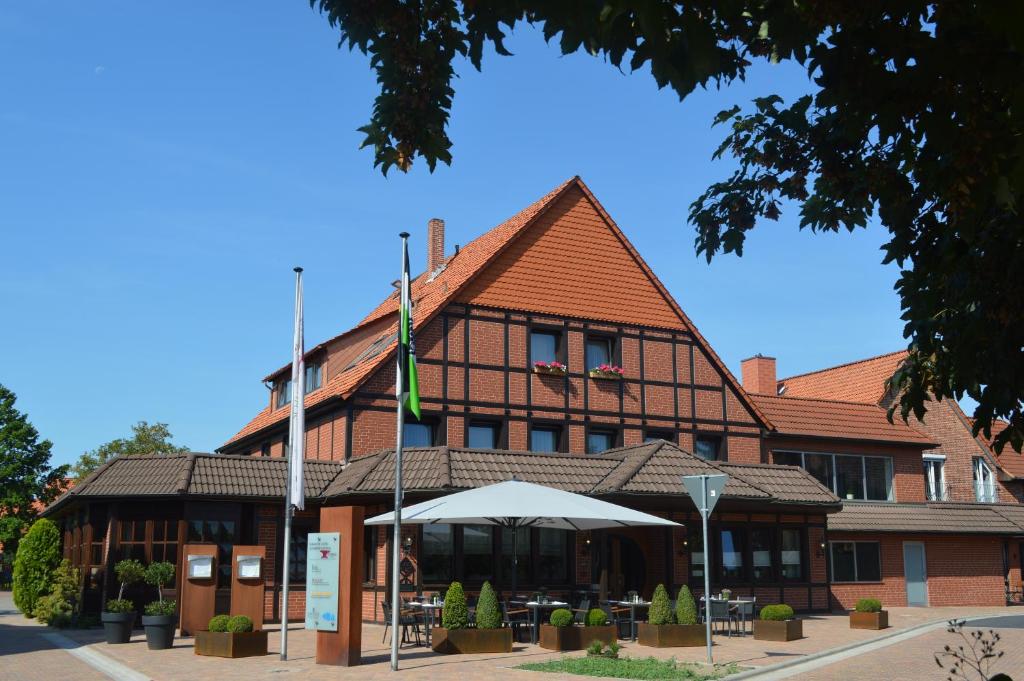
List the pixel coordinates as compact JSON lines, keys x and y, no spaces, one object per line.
{"x":915,"y":573}
{"x":627,"y":568}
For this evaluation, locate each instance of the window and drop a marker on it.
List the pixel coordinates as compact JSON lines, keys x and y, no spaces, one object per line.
{"x":313,"y":380}
{"x":667,"y":435}
{"x":695,"y":541}
{"x":370,"y":536}
{"x":265,"y":449}
{"x":984,"y":482}
{"x":761,"y":554}
{"x":792,"y":554}
{"x":133,"y":540}
{"x":553,"y":560}
{"x":283,"y":391}
{"x":314,"y":374}
{"x":599,"y":440}
{"x":935,"y":478}
{"x":484,"y":435}
{"x":788,"y":458}
{"x":545,"y":439}
{"x":856,"y":561}
{"x":598,"y":351}
{"x":525,"y":556}
{"x":706,"y":447}
{"x":731,"y":542}
{"x":298,"y":548}
{"x":438,"y":554}
{"x":478,"y":552}
{"x":849,"y":477}
{"x":544,"y":346}
{"x":165,"y":541}
{"x":222,"y":533}
{"x":852,"y":477}
{"x":419,"y":434}
{"x":820,"y":466}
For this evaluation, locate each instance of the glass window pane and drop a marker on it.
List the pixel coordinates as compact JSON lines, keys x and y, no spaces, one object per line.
{"x":868,"y":567}
{"x":792,"y":552}
{"x":850,"y":477}
{"x":599,"y":351}
{"x":284,"y":393}
{"x":543,"y":346}
{"x":438,"y":550}
{"x":418,"y":435}
{"x":483,"y":435}
{"x":761,"y":554}
{"x":312,"y":379}
{"x":296,"y":555}
{"x":553,"y":547}
{"x":159,"y":527}
{"x":478,"y":552}
{"x":843,"y":563}
{"x":97,"y":554}
{"x":666,"y":435}
{"x":544,"y":439}
{"x":820,"y":466}
{"x":523,"y":546}
{"x":788,"y":458}
{"x":695,"y":542}
{"x":879,"y":477}
{"x":706,"y":447}
{"x":732,"y":554}
{"x":599,"y":440}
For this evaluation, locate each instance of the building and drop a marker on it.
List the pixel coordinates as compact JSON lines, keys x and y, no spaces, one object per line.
{"x":558,"y":282}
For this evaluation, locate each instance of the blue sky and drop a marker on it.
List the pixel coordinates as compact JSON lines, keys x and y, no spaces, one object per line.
{"x":163,"y":166}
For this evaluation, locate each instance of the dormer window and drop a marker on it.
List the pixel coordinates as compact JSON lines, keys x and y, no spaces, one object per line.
{"x":283,"y":389}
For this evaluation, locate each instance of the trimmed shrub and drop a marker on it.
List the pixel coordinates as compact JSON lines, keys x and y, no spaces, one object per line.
{"x":456,"y":614}
{"x":596,"y":617}
{"x":869,"y":605}
{"x":239,"y":624}
{"x":661,"y":608}
{"x":560,"y":618}
{"x":686,"y":607}
{"x":160,"y":608}
{"x":128,"y":572}
{"x":159,"y":574}
{"x":595,"y":648}
{"x":38,"y":556}
{"x":776,"y":613}
{"x":121,"y":605}
{"x":219,"y":623}
{"x":58,"y":609}
{"x":488,"y":614}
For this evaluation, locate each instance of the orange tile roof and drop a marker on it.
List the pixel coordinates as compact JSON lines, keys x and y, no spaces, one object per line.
{"x":860,"y":381}
{"x":834,"y":419}
{"x":637,"y":296}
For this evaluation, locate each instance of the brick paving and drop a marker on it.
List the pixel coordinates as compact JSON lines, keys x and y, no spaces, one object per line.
{"x":25,"y":655}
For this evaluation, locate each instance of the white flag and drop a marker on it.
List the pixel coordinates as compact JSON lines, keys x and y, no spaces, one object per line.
{"x":297,"y":421}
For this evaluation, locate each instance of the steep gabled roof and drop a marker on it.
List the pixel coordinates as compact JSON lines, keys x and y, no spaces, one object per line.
{"x":457,"y":282}
{"x":1011,"y":461}
{"x":860,"y":381}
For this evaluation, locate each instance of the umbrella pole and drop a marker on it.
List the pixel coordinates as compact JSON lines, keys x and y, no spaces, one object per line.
{"x":515,"y":558}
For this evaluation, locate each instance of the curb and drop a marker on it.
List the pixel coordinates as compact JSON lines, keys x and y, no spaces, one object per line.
{"x":95,"y":659}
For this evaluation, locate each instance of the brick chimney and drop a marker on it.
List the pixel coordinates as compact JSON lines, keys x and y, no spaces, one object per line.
{"x":759,"y":375}
{"x":435,"y":244}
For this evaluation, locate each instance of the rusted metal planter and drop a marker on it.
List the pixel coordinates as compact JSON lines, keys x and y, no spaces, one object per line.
{"x":227,"y":644}
{"x":671,"y":635}
{"x":784,"y":630}
{"x":575,"y":637}
{"x":454,"y":641}
{"x":869,"y":620}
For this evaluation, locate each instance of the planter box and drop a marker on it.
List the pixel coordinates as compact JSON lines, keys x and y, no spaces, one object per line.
{"x":546,"y":371}
{"x":118,"y":626}
{"x":786,"y":630}
{"x":671,"y":635}
{"x":869,"y":620}
{"x":454,"y":641}
{"x":160,"y":630}
{"x":606,"y":375}
{"x":226,"y":644}
{"x":574,"y":637}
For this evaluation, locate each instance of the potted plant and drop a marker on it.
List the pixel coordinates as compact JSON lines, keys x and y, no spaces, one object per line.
{"x":159,"y":617}
{"x":778,"y":623}
{"x":667,"y":629}
{"x":119,"y":616}
{"x":227,"y":636}
{"x":552,"y":368}
{"x":607,"y":371}
{"x":455,"y":636}
{"x":561,"y":634}
{"x":868,"y":614}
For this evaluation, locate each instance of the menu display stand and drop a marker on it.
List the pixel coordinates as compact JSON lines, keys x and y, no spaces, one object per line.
{"x":247,"y":583}
{"x":198,"y":587}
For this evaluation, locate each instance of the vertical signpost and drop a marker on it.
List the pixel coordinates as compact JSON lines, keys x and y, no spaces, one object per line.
{"x":322,"y":554}
{"x":705,"y":490}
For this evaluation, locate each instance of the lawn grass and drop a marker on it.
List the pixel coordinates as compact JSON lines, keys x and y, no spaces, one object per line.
{"x":631,"y":668}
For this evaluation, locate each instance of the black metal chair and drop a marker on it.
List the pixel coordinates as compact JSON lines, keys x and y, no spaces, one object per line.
{"x":516,"y":619}
{"x":581,"y":610}
{"x":406,"y":618}
{"x":619,"y":617}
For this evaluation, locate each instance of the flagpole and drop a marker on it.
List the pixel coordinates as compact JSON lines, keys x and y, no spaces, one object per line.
{"x":296,"y":428}
{"x":396,"y":605}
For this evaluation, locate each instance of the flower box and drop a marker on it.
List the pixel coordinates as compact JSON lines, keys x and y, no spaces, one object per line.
{"x":575,"y":637}
{"x":454,"y":641}
{"x":607,"y":371}
{"x":869,"y":620}
{"x":778,"y":630}
{"x":549,"y":369}
{"x":671,"y":635}
{"x":227,"y":644}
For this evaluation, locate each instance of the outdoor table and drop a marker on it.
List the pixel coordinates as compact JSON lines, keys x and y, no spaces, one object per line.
{"x":535,"y":610}
{"x":734,"y":604}
{"x":429,"y":614}
{"x":633,"y":606}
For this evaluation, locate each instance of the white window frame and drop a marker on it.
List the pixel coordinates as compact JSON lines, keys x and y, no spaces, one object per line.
{"x":984,"y":482}
{"x":863,"y":467}
{"x":856,"y":580}
{"x":933,"y":462}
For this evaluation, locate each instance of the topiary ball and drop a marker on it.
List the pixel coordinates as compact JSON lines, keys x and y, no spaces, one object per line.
{"x":219,"y":623}
{"x":776,"y":613}
{"x":560,"y":618}
{"x":596,"y":617}
{"x":239,"y":624}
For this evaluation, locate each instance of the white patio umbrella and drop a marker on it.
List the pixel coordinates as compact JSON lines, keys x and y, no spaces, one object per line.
{"x":515,"y":504}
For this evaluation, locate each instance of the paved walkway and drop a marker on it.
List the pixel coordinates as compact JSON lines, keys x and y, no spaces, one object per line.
{"x":28,"y":654}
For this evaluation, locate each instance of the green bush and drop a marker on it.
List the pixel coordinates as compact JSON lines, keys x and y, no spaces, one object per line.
{"x":239,"y":624}
{"x":60,"y":606}
{"x":129,"y":571}
{"x":456,"y":614}
{"x":686,"y":607}
{"x":219,"y":623}
{"x":159,"y":574}
{"x":560,"y":618}
{"x":160,"y":608}
{"x":595,"y":648}
{"x":488,"y":614}
{"x":38,"y":556}
{"x":776,"y":613}
{"x":121,"y":605}
{"x":869,"y":605}
{"x":661,"y":608}
{"x":596,"y":617}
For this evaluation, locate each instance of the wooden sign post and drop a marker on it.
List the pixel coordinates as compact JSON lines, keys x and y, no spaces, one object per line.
{"x":247,"y":583}
{"x":198,"y":587}
{"x":343,"y":647}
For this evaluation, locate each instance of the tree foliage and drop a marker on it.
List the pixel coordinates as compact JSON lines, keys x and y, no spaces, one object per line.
{"x":146,"y":439}
{"x":60,"y":606}
{"x":27,"y":481}
{"x":914,"y":120}
{"x":38,"y":557}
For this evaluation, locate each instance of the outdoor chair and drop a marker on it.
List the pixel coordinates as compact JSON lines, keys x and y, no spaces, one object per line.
{"x":619,"y":617}
{"x":719,"y":612}
{"x":744,"y":613}
{"x":516,"y":619}
{"x":407,"y":618}
{"x":580,"y":611}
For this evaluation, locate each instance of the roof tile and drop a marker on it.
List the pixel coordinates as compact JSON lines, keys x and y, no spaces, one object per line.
{"x":834,"y":419}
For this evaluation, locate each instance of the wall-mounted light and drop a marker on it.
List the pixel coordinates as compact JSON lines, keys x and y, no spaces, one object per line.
{"x":406,"y":546}
{"x":821,"y":550}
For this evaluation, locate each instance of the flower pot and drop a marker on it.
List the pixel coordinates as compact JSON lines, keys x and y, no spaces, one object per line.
{"x":782,"y":630}
{"x":575,"y":637}
{"x":454,"y":641}
{"x":548,"y":371}
{"x":118,"y":626}
{"x":227,"y":644}
{"x":671,"y":635}
{"x":605,"y":375}
{"x":160,"y":630}
{"x":869,"y":620}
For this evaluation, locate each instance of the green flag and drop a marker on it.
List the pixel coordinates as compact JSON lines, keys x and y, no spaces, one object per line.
{"x":408,"y":392}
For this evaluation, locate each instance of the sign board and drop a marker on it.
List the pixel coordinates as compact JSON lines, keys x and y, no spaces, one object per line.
{"x":322,"y":555}
{"x":200,"y":567}
{"x":248,"y":567}
{"x":695,"y":488}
